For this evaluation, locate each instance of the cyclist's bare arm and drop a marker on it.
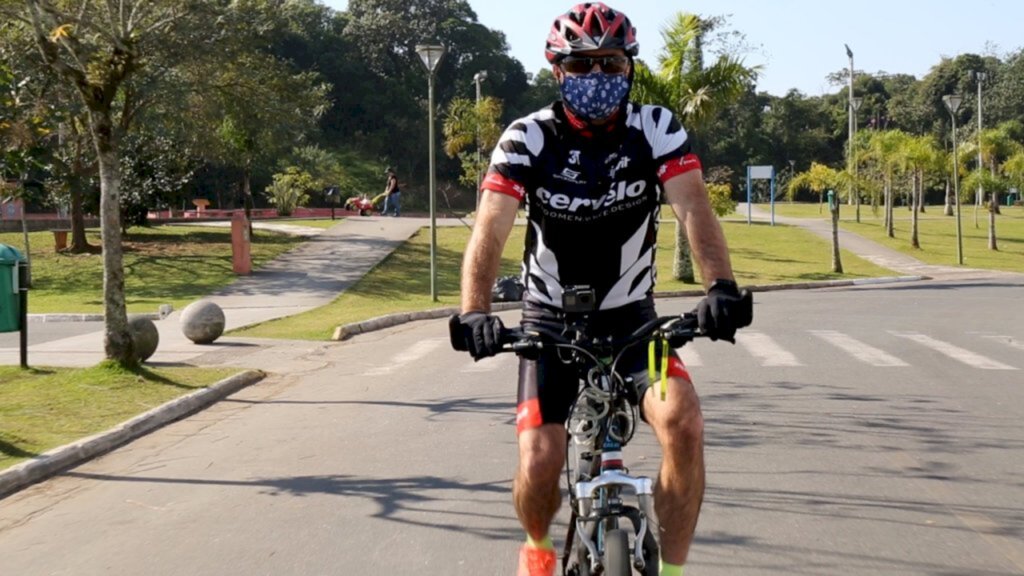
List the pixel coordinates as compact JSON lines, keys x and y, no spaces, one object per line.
{"x":494,"y":220}
{"x":689,"y":200}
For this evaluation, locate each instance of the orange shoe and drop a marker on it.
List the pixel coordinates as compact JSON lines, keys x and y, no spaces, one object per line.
{"x":537,"y":561}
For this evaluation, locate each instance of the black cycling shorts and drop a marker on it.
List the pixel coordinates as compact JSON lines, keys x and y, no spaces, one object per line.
{"x":548,"y":385}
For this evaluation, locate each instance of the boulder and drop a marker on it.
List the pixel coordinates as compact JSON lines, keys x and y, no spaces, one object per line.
{"x":202,"y":322}
{"x":145,"y":337}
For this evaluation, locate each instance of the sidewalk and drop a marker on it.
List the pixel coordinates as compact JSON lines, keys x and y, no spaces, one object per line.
{"x":307,"y":277}
{"x":874,"y":252}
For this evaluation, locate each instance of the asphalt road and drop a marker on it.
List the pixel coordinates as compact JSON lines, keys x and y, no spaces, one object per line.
{"x":851,"y":431}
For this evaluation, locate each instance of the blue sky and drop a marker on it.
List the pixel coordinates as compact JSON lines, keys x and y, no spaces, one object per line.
{"x":797,"y":42}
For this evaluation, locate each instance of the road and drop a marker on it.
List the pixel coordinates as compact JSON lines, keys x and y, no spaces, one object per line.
{"x":874,"y":430}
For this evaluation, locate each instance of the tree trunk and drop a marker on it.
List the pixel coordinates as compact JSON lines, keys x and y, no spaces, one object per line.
{"x":889,"y":229}
{"x":117,"y":341}
{"x":948,"y":210}
{"x":682,"y":268}
{"x":837,"y":263}
{"x":79,"y":244}
{"x":915,"y":193}
{"x":992,"y":208}
{"x":247,"y":199}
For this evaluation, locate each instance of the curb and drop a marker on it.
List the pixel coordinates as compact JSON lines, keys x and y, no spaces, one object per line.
{"x":68,"y":456}
{"x":346,"y":331}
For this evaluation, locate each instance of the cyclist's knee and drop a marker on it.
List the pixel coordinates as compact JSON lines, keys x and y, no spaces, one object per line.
{"x":542,"y":452}
{"x":678,"y":418}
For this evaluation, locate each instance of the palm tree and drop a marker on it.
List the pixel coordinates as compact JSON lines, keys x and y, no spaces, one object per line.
{"x":692,"y":91}
{"x":920,"y":156}
{"x":884,"y":149}
{"x":820,"y":178}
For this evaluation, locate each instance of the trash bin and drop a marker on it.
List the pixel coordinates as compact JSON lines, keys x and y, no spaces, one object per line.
{"x":10,"y":310}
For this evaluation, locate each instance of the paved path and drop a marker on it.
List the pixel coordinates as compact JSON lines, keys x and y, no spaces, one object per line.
{"x":876,"y":253}
{"x":304,"y":278}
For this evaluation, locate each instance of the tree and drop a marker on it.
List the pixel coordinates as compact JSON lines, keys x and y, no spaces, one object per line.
{"x":469,"y":126}
{"x":820,"y":178}
{"x":920,"y":155}
{"x":96,"y":49}
{"x":691,"y":90}
{"x":884,"y":150}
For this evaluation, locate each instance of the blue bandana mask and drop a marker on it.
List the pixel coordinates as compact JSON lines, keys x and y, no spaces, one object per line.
{"x":594,"y":96}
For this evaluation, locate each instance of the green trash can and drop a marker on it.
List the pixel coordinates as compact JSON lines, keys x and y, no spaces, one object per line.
{"x":10,"y":310}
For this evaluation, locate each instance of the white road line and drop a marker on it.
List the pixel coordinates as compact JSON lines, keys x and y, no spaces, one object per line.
{"x":859,"y":350}
{"x":1007,"y":340}
{"x":761,"y":346}
{"x":955,"y":352}
{"x":689,"y":356}
{"x":408,"y":356}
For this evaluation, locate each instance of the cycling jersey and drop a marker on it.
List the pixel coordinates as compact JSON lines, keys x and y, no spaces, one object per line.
{"x":592,"y":198}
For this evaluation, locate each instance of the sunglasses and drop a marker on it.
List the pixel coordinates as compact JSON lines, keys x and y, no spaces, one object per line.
{"x":608,"y":64}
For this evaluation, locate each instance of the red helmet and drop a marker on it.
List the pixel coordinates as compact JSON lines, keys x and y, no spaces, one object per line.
{"x":590,"y":26}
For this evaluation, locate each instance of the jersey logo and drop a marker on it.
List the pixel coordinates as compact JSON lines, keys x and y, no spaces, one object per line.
{"x":569,"y":175}
{"x":623,"y":163}
{"x":574,"y":157}
{"x":621,"y":195}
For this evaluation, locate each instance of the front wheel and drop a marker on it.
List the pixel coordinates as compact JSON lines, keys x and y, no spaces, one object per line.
{"x":617,"y":560}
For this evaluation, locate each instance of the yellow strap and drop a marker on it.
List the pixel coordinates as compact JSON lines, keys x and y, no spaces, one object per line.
{"x":653,"y":368}
{"x":664,"y":369}
{"x":652,"y":371}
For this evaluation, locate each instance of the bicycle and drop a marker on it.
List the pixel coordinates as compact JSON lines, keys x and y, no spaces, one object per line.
{"x":600,"y":424}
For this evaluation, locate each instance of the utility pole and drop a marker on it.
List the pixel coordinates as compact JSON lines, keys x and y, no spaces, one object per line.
{"x":979,"y":77}
{"x":478,"y":78}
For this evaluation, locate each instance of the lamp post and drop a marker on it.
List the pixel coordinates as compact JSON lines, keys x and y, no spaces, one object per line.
{"x":855,"y":103}
{"x":952,"y":102}
{"x":477,"y":79}
{"x":979,"y":77}
{"x":852,"y":111}
{"x":431,"y":55}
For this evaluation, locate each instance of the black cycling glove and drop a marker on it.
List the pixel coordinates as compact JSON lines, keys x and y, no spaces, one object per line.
{"x":724,"y":310}
{"x":478,"y":333}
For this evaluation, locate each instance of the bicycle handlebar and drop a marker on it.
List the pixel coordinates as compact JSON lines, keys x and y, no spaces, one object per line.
{"x":678,"y":329}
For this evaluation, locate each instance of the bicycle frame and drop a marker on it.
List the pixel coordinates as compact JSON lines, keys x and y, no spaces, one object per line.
{"x":599,"y":435}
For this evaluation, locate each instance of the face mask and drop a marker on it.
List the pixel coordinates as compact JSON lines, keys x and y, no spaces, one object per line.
{"x":594,"y":96}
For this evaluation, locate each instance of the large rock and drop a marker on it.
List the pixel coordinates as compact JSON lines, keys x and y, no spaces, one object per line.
{"x":202,"y":322}
{"x":145,"y":337}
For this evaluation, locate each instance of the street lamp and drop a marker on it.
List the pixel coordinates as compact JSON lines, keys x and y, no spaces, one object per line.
{"x":952,"y":102}
{"x":477,"y":79}
{"x":855,"y":103}
{"x":979,"y":77}
{"x":431,"y":55}
{"x":853,"y":128}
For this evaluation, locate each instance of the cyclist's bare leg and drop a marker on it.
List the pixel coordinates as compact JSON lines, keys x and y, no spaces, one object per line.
{"x":679,"y":491}
{"x":536,"y":490}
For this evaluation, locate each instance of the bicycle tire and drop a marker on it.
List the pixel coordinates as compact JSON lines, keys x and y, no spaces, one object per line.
{"x":617,"y":560}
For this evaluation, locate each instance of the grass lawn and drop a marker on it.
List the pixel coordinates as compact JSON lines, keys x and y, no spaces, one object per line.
{"x":761,"y":255}
{"x":42,"y":408}
{"x":173,"y":265}
{"x":936,"y":233}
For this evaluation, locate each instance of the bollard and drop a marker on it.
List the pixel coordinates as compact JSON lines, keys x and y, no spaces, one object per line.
{"x":241,"y":260}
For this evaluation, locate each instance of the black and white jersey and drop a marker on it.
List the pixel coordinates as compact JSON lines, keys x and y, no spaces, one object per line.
{"x":592,"y":200}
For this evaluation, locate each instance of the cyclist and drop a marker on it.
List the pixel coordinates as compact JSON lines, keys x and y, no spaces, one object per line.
{"x":593,"y":169}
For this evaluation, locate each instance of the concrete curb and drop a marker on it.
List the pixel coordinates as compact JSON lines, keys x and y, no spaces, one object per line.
{"x":68,"y":456}
{"x":347,"y":331}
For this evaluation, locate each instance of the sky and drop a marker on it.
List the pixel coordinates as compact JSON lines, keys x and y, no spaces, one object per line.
{"x":798,"y":43}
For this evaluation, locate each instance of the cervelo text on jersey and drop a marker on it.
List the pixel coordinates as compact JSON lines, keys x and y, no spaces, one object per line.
{"x":619,"y":192}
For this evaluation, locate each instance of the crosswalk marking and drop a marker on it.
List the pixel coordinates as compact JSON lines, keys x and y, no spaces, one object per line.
{"x":972,"y":359}
{"x":408,"y":356}
{"x":858,"y":349}
{"x":1007,"y":340}
{"x":761,"y":346}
